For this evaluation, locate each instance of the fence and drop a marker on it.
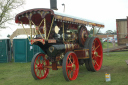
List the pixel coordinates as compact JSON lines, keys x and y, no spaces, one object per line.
{"x":120,"y":44}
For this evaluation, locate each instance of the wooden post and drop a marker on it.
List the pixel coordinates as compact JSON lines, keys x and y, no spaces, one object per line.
{"x":30,"y":30}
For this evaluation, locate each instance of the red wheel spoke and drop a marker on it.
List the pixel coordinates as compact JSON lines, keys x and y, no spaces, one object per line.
{"x":98,"y":55}
{"x":70,"y":59}
{"x":97,"y":47}
{"x":73,"y":61}
{"x":36,"y":63}
{"x":93,"y":58}
{"x":36,"y":71}
{"x":93,"y":62}
{"x":43,"y":71}
{"x":93,"y":47}
{"x":96,"y":63}
{"x":70,"y":73}
{"x":39,"y":61}
{"x":43,"y":61}
{"x":39,"y":72}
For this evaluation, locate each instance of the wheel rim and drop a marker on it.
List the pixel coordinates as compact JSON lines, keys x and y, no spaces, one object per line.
{"x":97,"y":54}
{"x":72,"y":66}
{"x":39,"y":64}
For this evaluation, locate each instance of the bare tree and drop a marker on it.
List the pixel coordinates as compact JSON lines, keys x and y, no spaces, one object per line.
{"x":6,"y":6}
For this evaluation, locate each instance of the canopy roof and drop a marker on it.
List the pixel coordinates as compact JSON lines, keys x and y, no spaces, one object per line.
{"x":37,"y":13}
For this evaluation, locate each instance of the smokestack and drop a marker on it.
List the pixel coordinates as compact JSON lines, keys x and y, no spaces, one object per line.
{"x":53,"y":4}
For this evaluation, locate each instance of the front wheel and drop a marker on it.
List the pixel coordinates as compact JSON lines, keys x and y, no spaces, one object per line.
{"x":37,"y":66}
{"x":70,"y":66}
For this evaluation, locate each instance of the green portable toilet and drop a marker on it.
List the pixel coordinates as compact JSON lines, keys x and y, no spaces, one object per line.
{"x":5,"y":50}
{"x":23,"y":50}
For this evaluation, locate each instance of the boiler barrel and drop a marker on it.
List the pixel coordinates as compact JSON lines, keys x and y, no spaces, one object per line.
{"x":55,"y":50}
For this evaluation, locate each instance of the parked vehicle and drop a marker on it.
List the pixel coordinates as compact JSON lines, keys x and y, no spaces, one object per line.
{"x":104,"y":39}
{"x":110,"y":39}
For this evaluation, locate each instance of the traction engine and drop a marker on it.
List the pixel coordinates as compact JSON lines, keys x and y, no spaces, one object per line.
{"x":64,"y":40}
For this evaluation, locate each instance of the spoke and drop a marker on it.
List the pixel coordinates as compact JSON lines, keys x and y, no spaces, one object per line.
{"x":36,"y":63}
{"x":74,"y":71}
{"x":43,"y":61}
{"x":36,"y":71}
{"x":93,"y":58}
{"x":39,"y":72}
{"x":93,"y":47}
{"x":98,"y":56}
{"x":70,"y":73}
{"x":70,"y":59}
{"x":93,"y":62}
{"x":97,"y":47}
{"x":43,"y":71}
{"x":73,"y":61}
{"x":96,"y":63}
{"x":39,"y":61}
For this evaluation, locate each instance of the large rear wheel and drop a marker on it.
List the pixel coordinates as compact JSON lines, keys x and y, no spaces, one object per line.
{"x":37,"y":66}
{"x":70,"y":66}
{"x":95,"y":54}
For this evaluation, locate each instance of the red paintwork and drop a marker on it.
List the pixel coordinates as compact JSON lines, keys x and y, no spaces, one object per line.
{"x":37,"y":16}
{"x":81,"y":53}
{"x":97,"y":59}
{"x":69,"y":66}
{"x":38,"y":66}
{"x":38,"y":40}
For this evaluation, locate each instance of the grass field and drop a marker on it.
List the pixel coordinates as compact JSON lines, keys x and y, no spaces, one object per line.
{"x":114,"y":63}
{"x":108,"y":45}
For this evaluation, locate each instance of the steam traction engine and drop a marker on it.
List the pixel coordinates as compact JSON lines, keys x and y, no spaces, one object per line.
{"x":64,"y":40}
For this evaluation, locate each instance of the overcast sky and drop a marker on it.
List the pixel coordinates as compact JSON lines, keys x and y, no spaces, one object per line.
{"x":104,"y":11}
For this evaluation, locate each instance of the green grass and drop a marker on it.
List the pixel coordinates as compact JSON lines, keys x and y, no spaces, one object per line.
{"x":114,"y":63}
{"x":108,"y":45}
